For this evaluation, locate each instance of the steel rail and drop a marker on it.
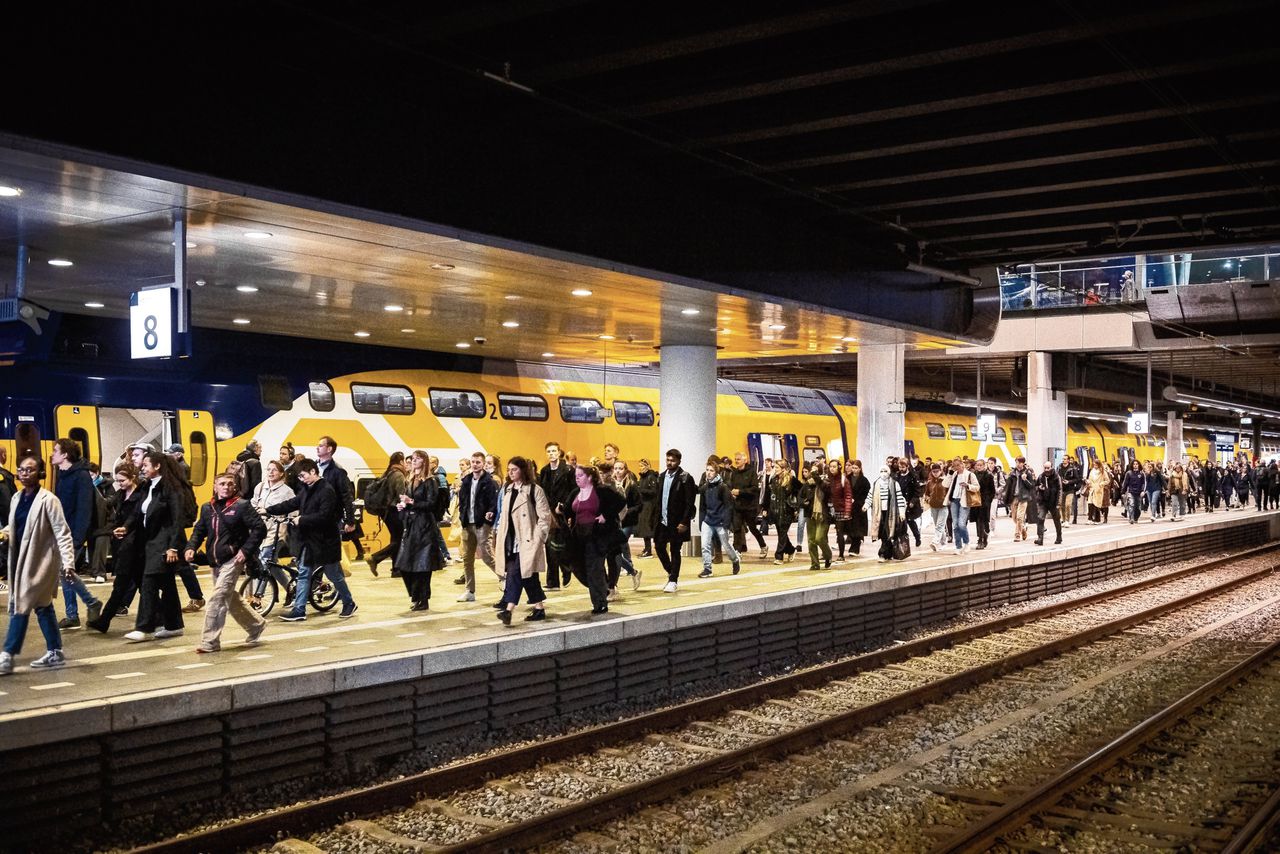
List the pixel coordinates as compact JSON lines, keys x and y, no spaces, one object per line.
{"x":984,"y":833}
{"x":326,"y":812}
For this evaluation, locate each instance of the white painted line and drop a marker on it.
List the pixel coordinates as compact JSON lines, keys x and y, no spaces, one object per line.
{"x":411,"y":635}
{"x":311,"y":649}
{"x":253,"y":657}
{"x":53,"y":685}
{"x":126,"y":675}
{"x":455,"y":629}
{"x":362,"y":640}
{"x":194,"y":666}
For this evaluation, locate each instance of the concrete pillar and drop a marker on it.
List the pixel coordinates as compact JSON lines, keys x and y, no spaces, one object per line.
{"x":1046,"y":411}
{"x":687,"y":389}
{"x":1173,"y":435}
{"x":881,"y":406}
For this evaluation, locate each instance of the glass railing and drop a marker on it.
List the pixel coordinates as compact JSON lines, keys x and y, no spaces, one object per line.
{"x":1124,"y":280}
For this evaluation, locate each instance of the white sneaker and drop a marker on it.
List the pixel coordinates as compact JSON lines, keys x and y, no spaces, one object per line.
{"x":670,"y":588}
{"x":161,"y":634}
{"x":52,"y":658}
{"x":467,"y":597}
{"x":135,"y":636}
{"x":635,"y":580}
{"x":614,"y":595}
{"x":6,"y":664}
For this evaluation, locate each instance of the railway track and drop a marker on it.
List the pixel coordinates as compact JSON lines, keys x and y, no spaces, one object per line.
{"x":1216,"y":747}
{"x":568,"y":784}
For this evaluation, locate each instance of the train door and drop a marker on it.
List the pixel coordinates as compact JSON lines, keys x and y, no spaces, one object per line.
{"x":791,"y":450}
{"x":24,"y":430}
{"x":1085,"y":455}
{"x":773,"y":446}
{"x":80,"y":424}
{"x":194,"y":431}
{"x":1127,"y":456}
{"x":909,"y":448}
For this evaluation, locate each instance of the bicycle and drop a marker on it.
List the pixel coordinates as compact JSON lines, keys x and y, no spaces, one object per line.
{"x":260,"y":588}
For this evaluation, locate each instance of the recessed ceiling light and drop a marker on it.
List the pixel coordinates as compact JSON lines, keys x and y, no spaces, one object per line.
{"x":848,"y":338}
{"x":777,"y":326}
{"x":393,"y":307}
{"x":246,"y":289}
{"x":462,"y":345}
{"x":606,"y":337}
{"x":548,"y":355}
{"x":96,"y":378}
{"x":59,"y":262}
{"x":442,"y":266}
{"x":513,"y":297}
{"x":190,"y":245}
{"x":241,"y":321}
{"x":199,"y":283}
{"x":408,"y":331}
{"x":580,"y":292}
{"x":94,"y":305}
{"x":258,"y":235}
{"x":690,"y":311}
{"x":360,"y":333}
{"x":10,"y":192}
{"x":511,"y":324}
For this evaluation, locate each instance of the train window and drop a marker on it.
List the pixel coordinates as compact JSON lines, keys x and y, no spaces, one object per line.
{"x":274,"y":392}
{"x":80,"y":436}
{"x":633,"y":413}
{"x":382,"y":399}
{"x":581,"y":410}
{"x":1115,"y":429}
{"x":522,"y":407}
{"x":957,"y":432}
{"x":320,"y":396}
{"x":936,"y":431}
{"x":1000,"y":435}
{"x":456,"y":403}
{"x":1019,"y":435}
{"x":198,"y":458}
{"x":26,"y":439}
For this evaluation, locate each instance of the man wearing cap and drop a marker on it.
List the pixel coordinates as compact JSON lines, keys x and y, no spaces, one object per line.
{"x":137,"y":451}
{"x":251,"y":470}
{"x":176,"y":451}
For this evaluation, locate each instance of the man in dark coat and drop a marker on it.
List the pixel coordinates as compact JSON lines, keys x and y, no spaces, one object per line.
{"x":251,"y":468}
{"x":318,"y":539}
{"x":677,"y":502}
{"x":1048,"y":494}
{"x":234,"y":531}
{"x":336,"y":476}
{"x":981,"y":514}
{"x":74,"y":489}
{"x":556,"y":480}
{"x":477,"y":508}
{"x":744,"y":486}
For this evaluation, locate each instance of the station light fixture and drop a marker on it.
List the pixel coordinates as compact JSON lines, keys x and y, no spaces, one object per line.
{"x":59,"y":262}
{"x":408,"y":331}
{"x":246,"y":289}
{"x":1177,"y":395}
{"x":9,"y":192}
{"x":606,"y":337}
{"x":513,"y":297}
{"x":94,"y":305}
{"x":393,"y":307}
{"x":511,"y":324}
{"x":241,"y":321}
{"x":439,"y":266}
{"x":462,"y":345}
{"x":690,"y":311}
{"x":360,"y":333}
{"x":259,"y":235}
{"x":580,"y":292}
{"x":548,"y":355}
{"x":777,"y":327}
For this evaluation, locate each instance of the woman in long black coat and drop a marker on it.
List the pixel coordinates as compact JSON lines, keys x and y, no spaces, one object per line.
{"x":126,"y":559}
{"x":419,"y":554}
{"x":647,"y":485}
{"x":161,"y":531}
{"x":857,"y":531}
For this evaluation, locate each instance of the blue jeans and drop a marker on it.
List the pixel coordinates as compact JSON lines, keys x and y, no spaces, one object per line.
{"x":624,"y":556}
{"x":48,"y":620}
{"x":1153,"y":501}
{"x":333,"y":572}
{"x":709,"y":532}
{"x":71,"y":588}
{"x":960,"y":522}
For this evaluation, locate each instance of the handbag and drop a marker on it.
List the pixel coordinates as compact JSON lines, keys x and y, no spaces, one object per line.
{"x":914,"y":510}
{"x":902,"y":546}
{"x":974,"y":497}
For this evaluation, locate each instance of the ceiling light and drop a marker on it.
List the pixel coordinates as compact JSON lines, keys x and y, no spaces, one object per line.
{"x":848,"y":338}
{"x":100,"y":379}
{"x":360,"y":333}
{"x":462,"y":345}
{"x":190,"y":245}
{"x":580,"y":292}
{"x":548,"y":355}
{"x":246,"y":289}
{"x":393,"y":307}
{"x":408,"y":331}
{"x":442,"y":266}
{"x":777,"y":326}
{"x":258,"y":235}
{"x":690,"y":311}
{"x":94,"y":305}
{"x":513,"y":297}
{"x":322,"y":295}
{"x":10,"y":192}
{"x":59,"y":262}
{"x":199,"y":283}
{"x":511,"y":324}
{"x":606,"y":337}
{"x":241,"y":321}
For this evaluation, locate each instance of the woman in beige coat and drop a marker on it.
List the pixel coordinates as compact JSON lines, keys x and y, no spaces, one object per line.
{"x":523,"y":529}
{"x":1099,"y":493}
{"x":40,"y":554}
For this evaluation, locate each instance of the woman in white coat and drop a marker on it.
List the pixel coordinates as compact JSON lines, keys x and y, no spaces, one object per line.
{"x":40,"y":554}
{"x":523,"y":529}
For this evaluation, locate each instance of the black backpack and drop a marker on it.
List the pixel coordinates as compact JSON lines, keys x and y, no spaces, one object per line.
{"x":377,"y":497}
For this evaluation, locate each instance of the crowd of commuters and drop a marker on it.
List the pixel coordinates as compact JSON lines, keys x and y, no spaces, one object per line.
{"x":536,"y":529}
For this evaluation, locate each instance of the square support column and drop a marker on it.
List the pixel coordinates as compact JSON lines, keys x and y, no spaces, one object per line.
{"x":1173,"y":448}
{"x":881,"y":408}
{"x":1046,"y":411}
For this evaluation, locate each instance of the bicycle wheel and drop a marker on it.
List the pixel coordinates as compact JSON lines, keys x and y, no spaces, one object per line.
{"x":263,"y":602}
{"x":323,"y":593}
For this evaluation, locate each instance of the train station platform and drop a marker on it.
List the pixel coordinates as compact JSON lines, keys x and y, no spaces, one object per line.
{"x":327,"y":692}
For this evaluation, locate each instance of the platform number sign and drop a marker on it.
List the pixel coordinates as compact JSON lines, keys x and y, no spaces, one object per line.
{"x":1139,"y":423}
{"x":152,"y":326}
{"x":987,"y":427}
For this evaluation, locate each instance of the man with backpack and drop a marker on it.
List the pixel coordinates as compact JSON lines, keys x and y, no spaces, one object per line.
{"x":379,"y":499}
